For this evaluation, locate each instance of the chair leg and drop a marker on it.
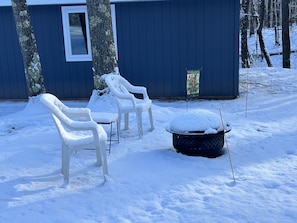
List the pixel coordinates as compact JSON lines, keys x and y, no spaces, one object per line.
{"x":118,"y":130}
{"x":139,"y":123}
{"x":119,"y":120}
{"x":151,"y":119}
{"x":110,"y":134}
{"x":126,"y":121}
{"x":66,"y":164}
{"x":99,"y":156}
{"x":103,"y":157}
{"x":64,"y":154}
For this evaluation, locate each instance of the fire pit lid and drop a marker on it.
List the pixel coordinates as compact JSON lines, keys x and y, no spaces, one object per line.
{"x":198,"y":122}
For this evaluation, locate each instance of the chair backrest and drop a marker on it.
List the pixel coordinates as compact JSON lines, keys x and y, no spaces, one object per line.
{"x":56,"y":107}
{"x":117,"y":84}
{"x":120,"y":88}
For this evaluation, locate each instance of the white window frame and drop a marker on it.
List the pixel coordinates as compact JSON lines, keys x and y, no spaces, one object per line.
{"x":66,"y":10}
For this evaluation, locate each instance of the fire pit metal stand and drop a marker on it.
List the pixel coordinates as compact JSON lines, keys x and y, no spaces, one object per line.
{"x":199,"y":134}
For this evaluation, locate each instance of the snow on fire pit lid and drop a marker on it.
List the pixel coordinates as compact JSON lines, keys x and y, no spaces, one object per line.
{"x":200,"y":121}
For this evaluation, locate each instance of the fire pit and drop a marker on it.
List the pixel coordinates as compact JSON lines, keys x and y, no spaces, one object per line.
{"x":199,"y":133}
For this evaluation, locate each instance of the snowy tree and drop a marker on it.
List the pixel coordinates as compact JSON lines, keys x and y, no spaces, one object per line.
{"x":102,"y":43}
{"x":31,"y":60}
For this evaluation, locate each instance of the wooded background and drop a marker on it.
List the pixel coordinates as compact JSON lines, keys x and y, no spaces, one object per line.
{"x":257,"y":15}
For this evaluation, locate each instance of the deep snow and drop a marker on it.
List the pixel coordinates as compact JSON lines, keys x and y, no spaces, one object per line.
{"x":148,"y":181}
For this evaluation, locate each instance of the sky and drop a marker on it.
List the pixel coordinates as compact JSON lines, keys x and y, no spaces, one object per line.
{"x":255,"y":180}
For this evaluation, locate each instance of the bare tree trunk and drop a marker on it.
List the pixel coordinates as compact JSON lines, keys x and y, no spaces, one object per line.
{"x":28,"y":45}
{"x":245,"y":59}
{"x":286,"y":34}
{"x":276,"y":36}
{"x":269,"y":14}
{"x":276,"y":15}
{"x":252,"y":18}
{"x":261,"y":39}
{"x":102,"y":43}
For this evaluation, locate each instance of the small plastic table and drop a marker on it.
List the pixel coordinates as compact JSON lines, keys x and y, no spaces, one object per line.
{"x":105,"y":118}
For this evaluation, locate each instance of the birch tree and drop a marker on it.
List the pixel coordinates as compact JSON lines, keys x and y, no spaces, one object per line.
{"x":31,"y":60}
{"x":102,"y":43}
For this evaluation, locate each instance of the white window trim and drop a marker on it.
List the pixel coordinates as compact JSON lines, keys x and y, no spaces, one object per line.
{"x":66,"y":31}
{"x":114,"y":28}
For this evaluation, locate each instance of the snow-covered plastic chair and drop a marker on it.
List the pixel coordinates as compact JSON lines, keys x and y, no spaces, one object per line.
{"x":127,"y":102}
{"x":77,"y":131}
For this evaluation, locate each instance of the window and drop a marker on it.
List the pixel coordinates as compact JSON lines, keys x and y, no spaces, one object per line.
{"x":76,"y":33}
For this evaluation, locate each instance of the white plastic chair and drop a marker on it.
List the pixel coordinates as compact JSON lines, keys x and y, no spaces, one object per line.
{"x":124,"y":93}
{"x":77,"y":131}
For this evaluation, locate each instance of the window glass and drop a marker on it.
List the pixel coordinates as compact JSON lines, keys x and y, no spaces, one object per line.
{"x":76,"y":33}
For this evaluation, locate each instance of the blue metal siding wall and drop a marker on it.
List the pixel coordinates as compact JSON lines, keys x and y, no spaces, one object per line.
{"x":12,"y":81}
{"x":158,"y":41}
{"x":64,"y":79}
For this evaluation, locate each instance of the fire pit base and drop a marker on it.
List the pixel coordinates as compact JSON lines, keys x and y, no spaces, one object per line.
{"x":207,"y":145}
{"x":199,"y":133}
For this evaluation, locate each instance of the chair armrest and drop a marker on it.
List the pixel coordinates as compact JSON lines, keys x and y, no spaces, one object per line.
{"x":126,"y":96}
{"x":87,"y":125}
{"x":82,"y":125}
{"x":137,"y":90}
{"x":78,"y":112}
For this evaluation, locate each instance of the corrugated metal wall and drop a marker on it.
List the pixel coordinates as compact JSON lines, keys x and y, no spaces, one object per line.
{"x":64,"y":79}
{"x":159,"y":41}
{"x":12,"y":81}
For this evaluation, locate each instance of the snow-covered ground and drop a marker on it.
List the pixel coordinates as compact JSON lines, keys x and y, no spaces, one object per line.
{"x":148,"y":181}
